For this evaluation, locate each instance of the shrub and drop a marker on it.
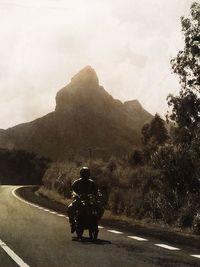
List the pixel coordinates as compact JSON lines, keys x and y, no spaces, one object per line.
{"x":186,"y":216}
{"x":196,"y":224}
{"x":179,"y":168}
{"x":60,"y":176}
{"x":117,"y":201}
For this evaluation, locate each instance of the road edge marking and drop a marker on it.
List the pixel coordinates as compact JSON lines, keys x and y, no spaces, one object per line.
{"x":196,"y":256}
{"x":100,"y":227}
{"x":115,"y":232}
{"x":167,"y":247}
{"x":137,"y":238}
{"x":13,"y":255}
{"x":36,"y":205}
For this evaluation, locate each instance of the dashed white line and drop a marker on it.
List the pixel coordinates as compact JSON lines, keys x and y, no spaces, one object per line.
{"x":196,"y":256}
{"x":114,"y":232}
{"x":100,"y":227}
{"x":166,"y":247}
{"x":138,"y":238}
{"x":13,"y":255}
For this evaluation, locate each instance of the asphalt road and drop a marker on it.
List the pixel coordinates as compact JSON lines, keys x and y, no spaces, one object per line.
{"x":34,"y":237}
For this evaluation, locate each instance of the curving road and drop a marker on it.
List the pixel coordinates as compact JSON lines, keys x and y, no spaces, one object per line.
{"x":33,"y":237}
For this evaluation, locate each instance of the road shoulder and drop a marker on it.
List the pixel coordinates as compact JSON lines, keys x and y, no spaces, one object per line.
{"x":163,"y":233}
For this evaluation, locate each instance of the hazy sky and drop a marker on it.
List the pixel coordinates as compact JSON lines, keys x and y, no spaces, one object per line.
{"x":43,"y":43}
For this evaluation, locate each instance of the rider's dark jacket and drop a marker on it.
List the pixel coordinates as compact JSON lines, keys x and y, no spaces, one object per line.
{"x":84,"y":186}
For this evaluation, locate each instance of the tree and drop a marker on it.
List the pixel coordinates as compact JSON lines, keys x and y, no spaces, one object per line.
{"x":180,"y":162}
{"x":136,"y":158}
{"x":186,"y":63}
{"x":178,"y":167}
{"x":153,"y":135}
{"x":186,"y":106}
{"x":154,"y":130}
{"x":158,"y":130}
{"x":146,"y":135}
{"x":21,"y":167}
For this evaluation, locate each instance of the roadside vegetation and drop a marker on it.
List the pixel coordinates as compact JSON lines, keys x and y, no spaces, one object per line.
{"x":21,"y":167}
{"x":160,"y":181}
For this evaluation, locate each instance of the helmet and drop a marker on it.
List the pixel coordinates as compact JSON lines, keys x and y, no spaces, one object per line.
{"x":85,"y":172}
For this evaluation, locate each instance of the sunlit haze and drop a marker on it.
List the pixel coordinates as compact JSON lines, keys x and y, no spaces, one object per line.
{"x":129,"y":43}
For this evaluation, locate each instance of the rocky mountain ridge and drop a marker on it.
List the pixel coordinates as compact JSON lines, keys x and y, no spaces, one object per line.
{"x":86,"y":118}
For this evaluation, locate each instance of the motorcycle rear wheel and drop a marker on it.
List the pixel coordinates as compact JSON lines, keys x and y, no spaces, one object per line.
{"x":93,"y":234}
{"x":79,"y":232}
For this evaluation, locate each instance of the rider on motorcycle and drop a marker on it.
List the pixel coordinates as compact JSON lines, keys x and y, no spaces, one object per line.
{"x":81,"y":186}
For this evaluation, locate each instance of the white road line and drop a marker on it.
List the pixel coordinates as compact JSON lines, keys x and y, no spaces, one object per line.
{"x":196,"y":256}
{"x":12,"y":254}
{"x":100,"y":227}
{"x":114,"y":232}
{"x":36,"y":206}
{"x":138,"y":238}
{"x":60,"y":215}
{"x":15,"y":195}
{"x":52,"y":212}
{"x":166,"y":247}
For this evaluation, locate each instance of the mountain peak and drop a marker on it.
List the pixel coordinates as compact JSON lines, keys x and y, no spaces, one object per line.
{"x":134,"y":107}
{"x":84,"y":88}
{"x":86,"y":116}
{"x":133,"y":104}
{"x":86,"y":76}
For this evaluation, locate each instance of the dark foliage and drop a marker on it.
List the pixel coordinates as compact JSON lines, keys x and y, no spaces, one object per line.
{"x":21,"y":167}
{"x":154,"y":134}
{"x":186,"y":105}
{"x":155,"y":130}
{"x":136,"y":158}
{"x":186,"y":63}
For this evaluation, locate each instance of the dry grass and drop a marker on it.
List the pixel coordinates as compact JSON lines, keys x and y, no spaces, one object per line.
{"x":52,"y":195}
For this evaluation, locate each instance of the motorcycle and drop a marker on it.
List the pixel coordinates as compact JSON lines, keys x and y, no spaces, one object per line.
{"x":87,"y":215}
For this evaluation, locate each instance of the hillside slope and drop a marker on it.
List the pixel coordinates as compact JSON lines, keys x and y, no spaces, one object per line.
{"x":86,"y":117}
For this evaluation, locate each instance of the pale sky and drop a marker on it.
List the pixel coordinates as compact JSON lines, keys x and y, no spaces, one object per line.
{"x":129,"y":43}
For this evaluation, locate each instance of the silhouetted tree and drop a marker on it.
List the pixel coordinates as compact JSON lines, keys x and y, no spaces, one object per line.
{"x":186,"y":106}
{"x":136,"y":158}
{"x":21,"y":167}
{"x":155,"y":130}
{"x":154,"y":134}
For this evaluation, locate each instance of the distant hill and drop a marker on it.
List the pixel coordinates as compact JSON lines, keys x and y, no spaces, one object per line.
{"x":86,"y":117}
